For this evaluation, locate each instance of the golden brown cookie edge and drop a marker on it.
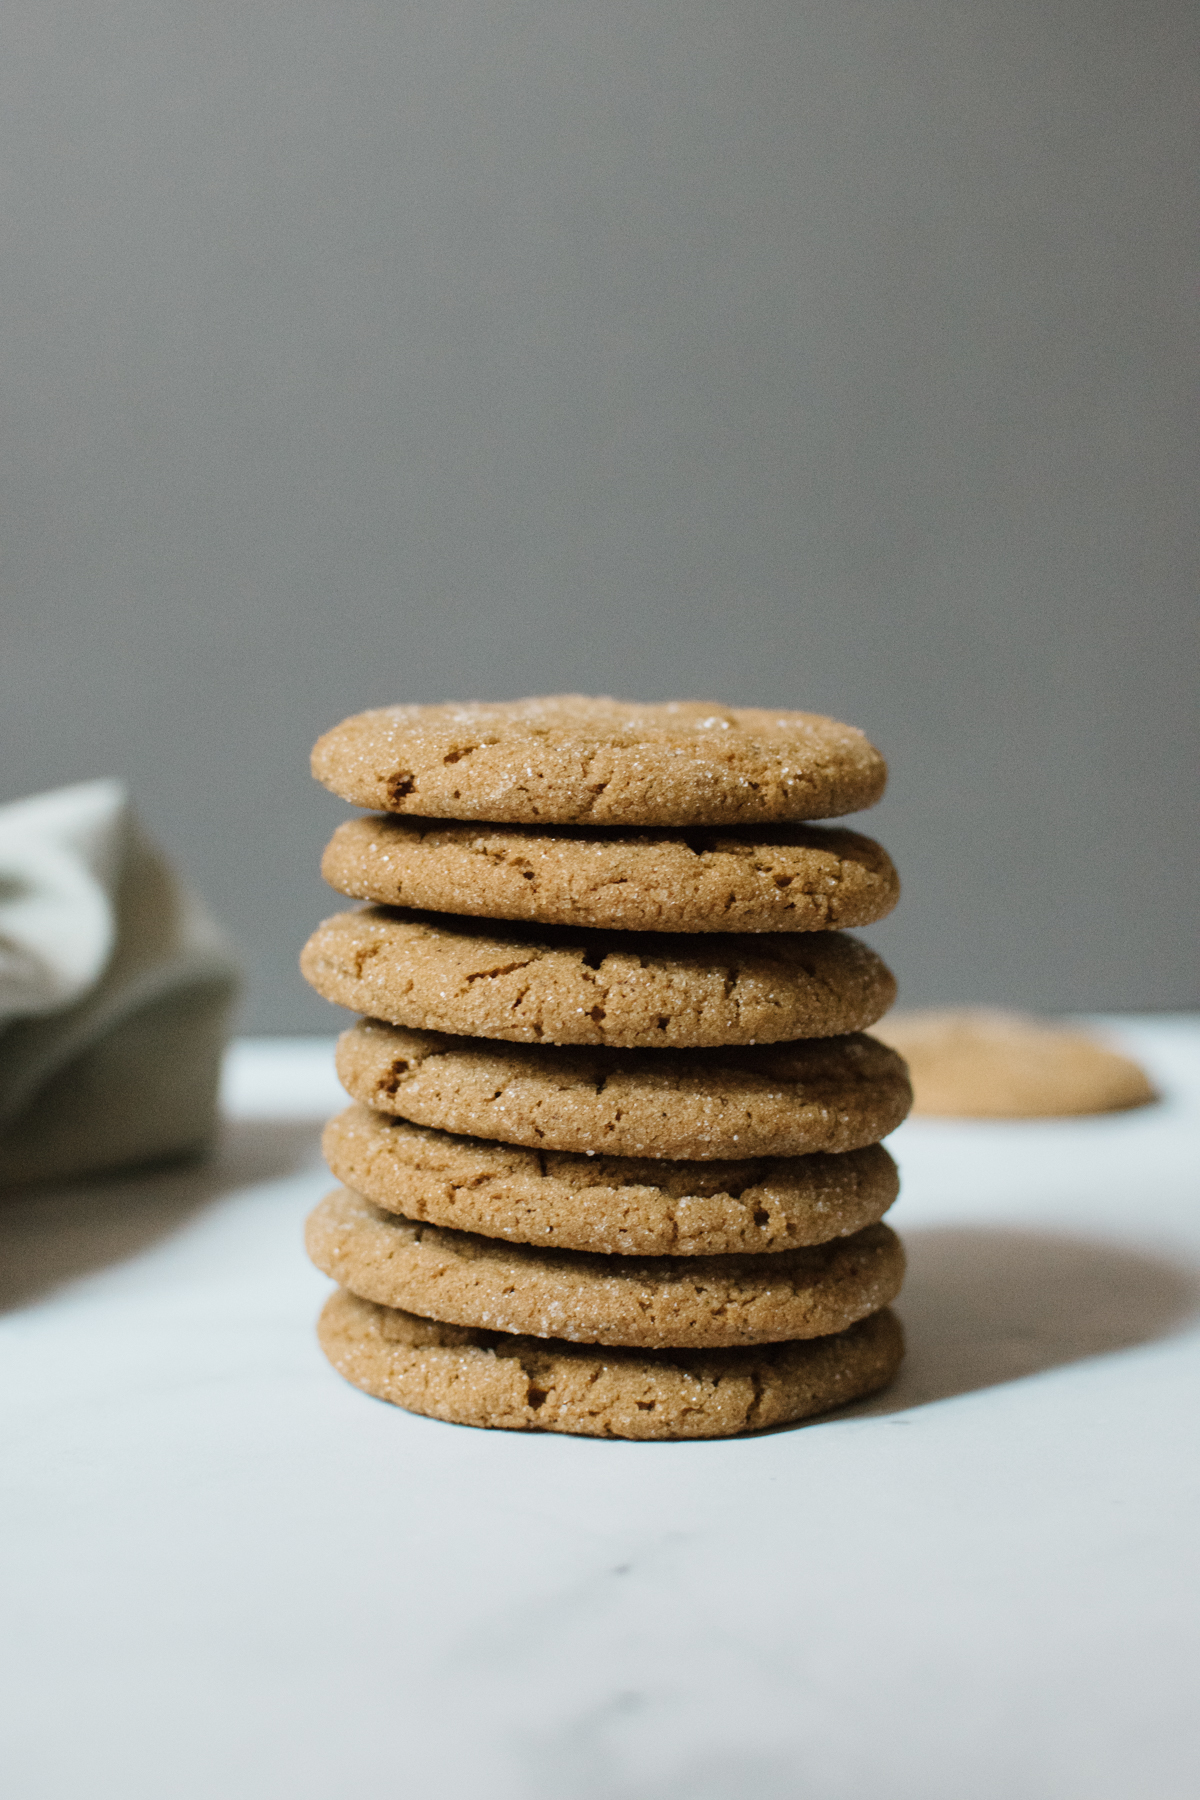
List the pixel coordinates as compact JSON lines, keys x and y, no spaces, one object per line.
{"x":614,"y":880}
{"x":579,"y":1391}
{"x":569,"y":759}
{"x":558,"y":985}
{"x":471,"y":1184}
{"x":385,"y":1066}
{"x":644,"y":1302}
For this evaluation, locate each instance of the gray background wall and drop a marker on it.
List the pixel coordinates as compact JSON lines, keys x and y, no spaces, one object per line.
{"x":832,"y":355}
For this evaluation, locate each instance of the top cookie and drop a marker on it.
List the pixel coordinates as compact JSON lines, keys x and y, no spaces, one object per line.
{"x":567,"y":759}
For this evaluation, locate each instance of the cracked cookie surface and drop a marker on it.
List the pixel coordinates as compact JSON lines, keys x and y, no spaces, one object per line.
{"x":558,"y":985}
{"x":614,"y":1205}
{"x":704,"y":1105}
{"x":512,"y":1383}
{"x":569,"y":759}
{"x":696,"y":1302}
{"x":778,"y":878}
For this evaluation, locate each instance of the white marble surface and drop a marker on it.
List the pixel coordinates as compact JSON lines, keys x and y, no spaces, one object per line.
{"x":228,"y":1574}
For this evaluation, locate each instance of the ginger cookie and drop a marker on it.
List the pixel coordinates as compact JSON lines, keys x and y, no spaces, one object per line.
{"x":778,"y":878}
{"x":830,"y":1094}
{"x":977,"y":1064}
{"x":534,"y":984}
{"x":512,"y":1383}
{"x":566,"y":759}
{"x":700,"y":1302}
{"x":612,"y":1205}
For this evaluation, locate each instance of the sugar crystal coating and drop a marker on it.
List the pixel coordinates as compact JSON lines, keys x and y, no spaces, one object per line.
{"x":570,"y":759}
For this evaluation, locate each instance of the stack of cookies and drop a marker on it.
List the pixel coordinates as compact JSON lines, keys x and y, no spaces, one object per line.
{"x":613,"y":1164}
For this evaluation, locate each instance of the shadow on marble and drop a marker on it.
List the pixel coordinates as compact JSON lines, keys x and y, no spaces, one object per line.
{"x":987,"y":1305}
{"x":62,"y":1232}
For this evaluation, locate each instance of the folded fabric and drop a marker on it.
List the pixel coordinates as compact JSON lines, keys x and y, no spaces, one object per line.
{"x":115,"y":992}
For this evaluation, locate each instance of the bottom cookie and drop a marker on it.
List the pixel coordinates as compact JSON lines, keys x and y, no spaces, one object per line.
{"x":511,"y":1383}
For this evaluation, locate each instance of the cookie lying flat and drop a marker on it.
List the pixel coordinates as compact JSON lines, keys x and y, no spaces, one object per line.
{"x":697,"y":1302}
{"x":996,"y":1065}
{"x":779,"y":878}
{"x":550,"y":984}
{"x":526,"y":1384}
{"x":770,"y":1100}
{"x":566,"y":759}
{"x":609,"y":1204}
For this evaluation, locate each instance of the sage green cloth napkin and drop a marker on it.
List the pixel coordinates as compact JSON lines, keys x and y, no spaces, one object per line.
{"x":115,"y":992}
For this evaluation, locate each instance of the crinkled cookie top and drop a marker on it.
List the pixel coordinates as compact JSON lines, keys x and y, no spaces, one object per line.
{"x":569,"y":759}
